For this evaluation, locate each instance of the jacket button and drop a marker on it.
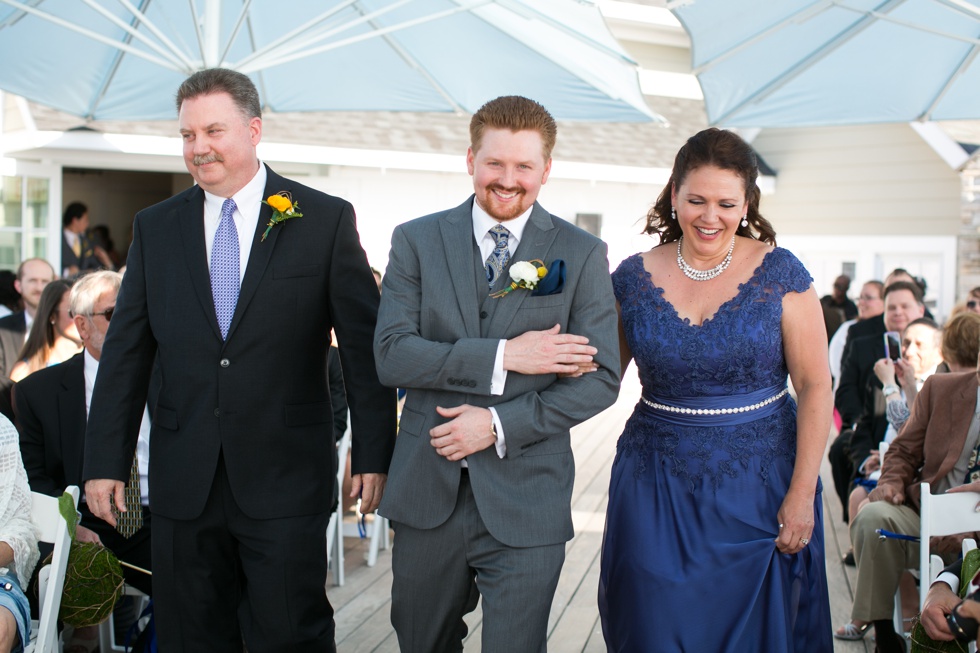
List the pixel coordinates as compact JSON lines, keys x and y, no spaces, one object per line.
{"x":217,"y":412}
{"x":484,"y":315}
{"x":472,"y":383}
{"x":452,"y":380}
{"x":225,"y":362}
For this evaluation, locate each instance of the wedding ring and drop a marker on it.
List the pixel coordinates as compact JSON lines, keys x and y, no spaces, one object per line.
{"x":804,"y":541}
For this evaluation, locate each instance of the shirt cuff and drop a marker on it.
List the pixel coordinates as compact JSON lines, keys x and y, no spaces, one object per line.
{"x":950,"y":579}
{"x":499,"y":377}
{"x":501,"y":444}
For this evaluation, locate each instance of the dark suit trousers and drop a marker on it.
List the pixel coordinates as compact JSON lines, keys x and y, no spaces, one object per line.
{"x":439,"y":574}
{"x":224,"y":577}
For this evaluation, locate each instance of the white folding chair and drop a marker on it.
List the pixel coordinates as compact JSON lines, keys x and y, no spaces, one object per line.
{"x":940,"y":514}
{"x":52,"y":528}
{"x":335,"y":527}
{"x":107,"y":629}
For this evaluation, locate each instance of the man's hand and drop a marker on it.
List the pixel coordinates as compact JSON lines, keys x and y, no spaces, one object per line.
{"x":585,"y":368}
{"x":369,"y":488}
{"x":83,"y":534}
{"x":940,"y":601}
{"x":99,"y":495}
{"x":547,"y":352}
{"x":888,"y":493}
{"x":968,"y":487}
{"x":470,"y":430}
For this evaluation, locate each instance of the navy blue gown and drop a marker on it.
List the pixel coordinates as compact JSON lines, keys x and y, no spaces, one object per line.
{"x":689,"y":561}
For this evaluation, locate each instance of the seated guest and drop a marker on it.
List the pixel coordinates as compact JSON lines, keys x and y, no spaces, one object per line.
{"x":18,"y":543}
{"x":33,"y":275}
{"x":52,"y":408}
{"x":957,"y":351}
{"x":937,"y":445}
{"x":870,"y":303}
{"x":53,"y":337}
{"x":858,"y":398}
{"x":943,"y":593}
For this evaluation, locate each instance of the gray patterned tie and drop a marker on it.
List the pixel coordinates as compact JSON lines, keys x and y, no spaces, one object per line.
{"x":225,"y":265}
{"x":500,"y":256}
{"x":127,"y":523}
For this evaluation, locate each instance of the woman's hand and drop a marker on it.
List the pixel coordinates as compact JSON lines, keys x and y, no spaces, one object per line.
{"x":796,"y":522}
{"x":885,"y":371}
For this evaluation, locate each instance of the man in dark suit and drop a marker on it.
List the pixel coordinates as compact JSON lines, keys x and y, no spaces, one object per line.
{"x":33,"y":275}
{"x":235,"y":301}
{"x":480,"y":485}
{"x":52,"y":408}
{"x":859,"y":399}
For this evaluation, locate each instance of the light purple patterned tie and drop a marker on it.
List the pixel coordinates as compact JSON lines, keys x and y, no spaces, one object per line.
{"x":225,"y":263}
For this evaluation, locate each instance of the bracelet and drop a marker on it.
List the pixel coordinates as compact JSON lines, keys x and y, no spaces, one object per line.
{"x":889,"y":390}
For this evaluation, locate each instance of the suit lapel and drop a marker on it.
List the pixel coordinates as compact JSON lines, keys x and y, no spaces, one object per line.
{"x":457,"y":241}
{"x":191,"y":227}
{"x":71,"y":413}
{"x":539,"y":234}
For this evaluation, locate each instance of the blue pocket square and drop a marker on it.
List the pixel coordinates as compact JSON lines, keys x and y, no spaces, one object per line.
{"x":553,"y":282}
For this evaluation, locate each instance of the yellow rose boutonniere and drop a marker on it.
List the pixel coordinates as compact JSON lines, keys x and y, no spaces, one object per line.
{"x":524,"y":275}
{"x":283,"y":208}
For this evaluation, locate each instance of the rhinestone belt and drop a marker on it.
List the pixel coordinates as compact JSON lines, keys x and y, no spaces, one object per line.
{"x":715,"y":411}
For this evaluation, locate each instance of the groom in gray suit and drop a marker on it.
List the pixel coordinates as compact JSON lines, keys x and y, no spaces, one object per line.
{"x":480,"y":486}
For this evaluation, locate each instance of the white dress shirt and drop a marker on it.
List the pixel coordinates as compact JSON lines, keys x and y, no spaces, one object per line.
{"x":248,"y":203}
{"x":142,"y":443}
{"x":482,"y":224}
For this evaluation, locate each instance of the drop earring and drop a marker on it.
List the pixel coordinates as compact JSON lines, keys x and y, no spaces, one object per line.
{"x":673,"y":213}
{"x":745,"y":220}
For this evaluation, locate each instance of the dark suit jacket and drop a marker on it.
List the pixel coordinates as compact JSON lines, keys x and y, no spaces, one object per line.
{"x":86,"y":261}
{"x":12,"y":330}
{"x":51,"y":423}
{"x":858,"y":380}
{"x":873,"y":326}
{"x":930,"y":443}
{"x":259,"y":399}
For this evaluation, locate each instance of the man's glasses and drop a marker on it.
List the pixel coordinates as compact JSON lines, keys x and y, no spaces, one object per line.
{"x":107,"y":313}
{"x":867,"y":298}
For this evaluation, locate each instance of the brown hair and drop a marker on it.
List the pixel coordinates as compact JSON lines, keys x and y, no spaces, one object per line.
{"x":42,"y":336}
{"x":517,"y":114}
{"x":221,"y":80}
{"x":721,"y":149}
{"x":905,"y":285}
{"x":961,"y":340}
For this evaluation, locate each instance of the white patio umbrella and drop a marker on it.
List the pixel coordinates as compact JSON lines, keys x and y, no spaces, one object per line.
{"x":123,"y":59}
{"x":764,"y":63}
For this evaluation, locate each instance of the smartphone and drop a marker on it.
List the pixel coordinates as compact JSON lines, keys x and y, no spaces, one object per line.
{"x":893,"y":345}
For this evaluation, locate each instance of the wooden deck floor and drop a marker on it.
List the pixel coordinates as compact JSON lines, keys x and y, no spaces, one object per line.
{"x":362,"y":604}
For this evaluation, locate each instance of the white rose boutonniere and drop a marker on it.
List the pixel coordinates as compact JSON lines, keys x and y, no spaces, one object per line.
{"x":524,"y":275}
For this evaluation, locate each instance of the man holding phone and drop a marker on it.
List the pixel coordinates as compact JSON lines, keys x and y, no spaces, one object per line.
{"x":859,"y":399}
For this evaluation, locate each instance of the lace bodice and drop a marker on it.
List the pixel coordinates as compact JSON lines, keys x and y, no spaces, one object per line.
{"x":739,"y":350}
{"x":16,"y":527}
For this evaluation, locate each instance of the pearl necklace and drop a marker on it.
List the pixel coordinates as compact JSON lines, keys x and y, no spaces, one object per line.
{"x":703,"y":275}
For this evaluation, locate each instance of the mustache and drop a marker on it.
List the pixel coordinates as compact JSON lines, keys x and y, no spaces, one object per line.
{"x":503,"y":189}
{"x":200,"y":160}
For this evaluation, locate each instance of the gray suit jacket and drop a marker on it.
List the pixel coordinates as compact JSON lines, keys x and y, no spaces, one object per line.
{"x":437,"y":336}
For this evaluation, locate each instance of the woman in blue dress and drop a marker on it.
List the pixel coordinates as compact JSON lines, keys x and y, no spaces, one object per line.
{"x":714,"y":533}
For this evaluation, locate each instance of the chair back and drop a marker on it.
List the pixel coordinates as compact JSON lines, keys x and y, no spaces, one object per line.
{"x":943,"y":514}
{"x":53,"y":529}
